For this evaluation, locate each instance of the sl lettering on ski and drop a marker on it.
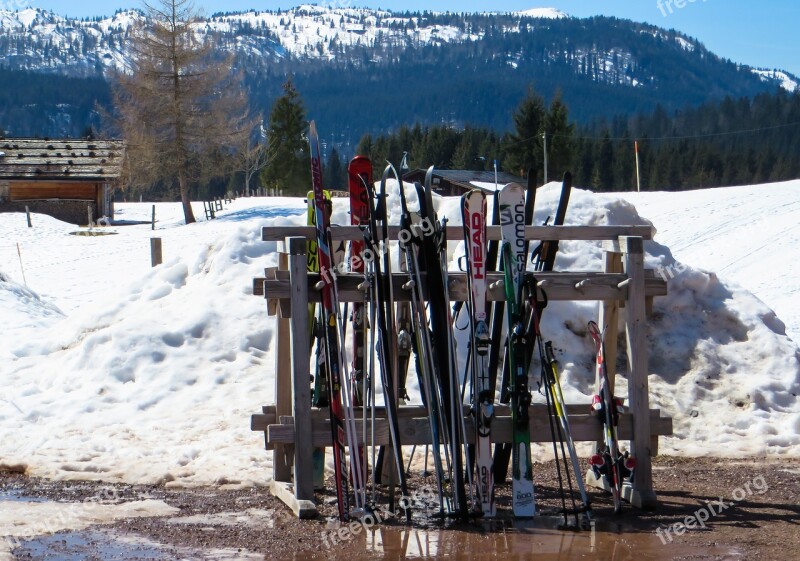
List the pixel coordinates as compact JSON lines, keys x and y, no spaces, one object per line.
{"x":477,"y":245}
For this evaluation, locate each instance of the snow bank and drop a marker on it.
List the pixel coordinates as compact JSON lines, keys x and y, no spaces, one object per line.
{"x":151,"y":375}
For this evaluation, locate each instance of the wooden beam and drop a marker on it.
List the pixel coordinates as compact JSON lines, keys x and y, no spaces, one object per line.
{"x":585,"y":428}
{"x":282,"y":457}
{"x":303,"y":464}
{"x":303,"y":509}
{"x":456,"y":233}
{"x":557,"y":286}
{"x":638,"y":387}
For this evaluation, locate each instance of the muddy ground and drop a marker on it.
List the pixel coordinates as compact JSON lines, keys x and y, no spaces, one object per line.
{"x":761,"y":520}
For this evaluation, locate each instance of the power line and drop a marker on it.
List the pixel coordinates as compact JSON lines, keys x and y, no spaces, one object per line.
{"x":660,"y":138}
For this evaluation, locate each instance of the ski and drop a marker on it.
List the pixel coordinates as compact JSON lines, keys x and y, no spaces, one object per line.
{"x":319,"y":393}
{"x":544,"y":256}
{"x":474,"y":221}
{"x":512,"y":224}
{"x":502,"y":454}
{"x":434,"y":251}
{"x":342,"y":425}
{"x":608,"y":463}
{"x":410,"y":240}
{"x":376,"y":239}
{"x":359,"y":172}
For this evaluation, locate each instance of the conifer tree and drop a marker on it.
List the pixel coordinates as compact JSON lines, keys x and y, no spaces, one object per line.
{"x":289,"y":166}
{"x":523,"y":147}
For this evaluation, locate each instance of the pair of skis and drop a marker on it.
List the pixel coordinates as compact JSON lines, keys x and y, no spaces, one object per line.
{"x":511,"y":206}
{"x":608,"y":463}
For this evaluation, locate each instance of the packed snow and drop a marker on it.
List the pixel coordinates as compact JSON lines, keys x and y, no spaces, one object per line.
{"x":787,"y":81}
{"x":117,"y":371}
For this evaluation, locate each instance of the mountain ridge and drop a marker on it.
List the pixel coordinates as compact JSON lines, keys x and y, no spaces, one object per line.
{"x":458,"y":68}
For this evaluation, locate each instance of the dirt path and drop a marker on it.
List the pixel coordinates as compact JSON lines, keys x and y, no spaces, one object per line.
{"x":758,"y":518}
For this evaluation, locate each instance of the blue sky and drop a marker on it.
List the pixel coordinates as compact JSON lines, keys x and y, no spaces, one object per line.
{"x":758,"y":33}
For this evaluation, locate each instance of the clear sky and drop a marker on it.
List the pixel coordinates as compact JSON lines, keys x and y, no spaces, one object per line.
{"x":762,"y":33}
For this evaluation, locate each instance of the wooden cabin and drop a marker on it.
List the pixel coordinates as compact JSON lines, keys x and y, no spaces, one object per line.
{"x":64,"y":178}
{"x":456,"y":182}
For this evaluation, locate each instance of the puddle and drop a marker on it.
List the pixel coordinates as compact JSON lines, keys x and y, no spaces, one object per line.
{"x":98,"y":544}
{"x":78,"y":546}
{"x":15,"y":495}
{"x":539,"y":540}
{"x":92,"y":233}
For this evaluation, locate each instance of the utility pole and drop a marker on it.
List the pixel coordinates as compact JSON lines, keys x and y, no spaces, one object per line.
{"x":544,"y":144}
{"x":638,"y":177}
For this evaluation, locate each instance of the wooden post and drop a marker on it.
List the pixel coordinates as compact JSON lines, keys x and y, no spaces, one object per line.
{"x":155,"y":252}
{"x":642,"y":494}
{"x":298,"y":274}
{"x":91,"y":218}
{"x":153,"y":227}
{"x":28,"y":215}
{"x":281,"y":460}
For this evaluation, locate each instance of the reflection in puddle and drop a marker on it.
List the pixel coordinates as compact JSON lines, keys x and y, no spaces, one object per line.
{"x":106,"y":545}
{"x":14,"y":495}
{"x":539,"y":540}
{"x":77,"y":546}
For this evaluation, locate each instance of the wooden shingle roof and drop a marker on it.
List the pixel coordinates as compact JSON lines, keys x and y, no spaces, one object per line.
{"x":62,"y":159}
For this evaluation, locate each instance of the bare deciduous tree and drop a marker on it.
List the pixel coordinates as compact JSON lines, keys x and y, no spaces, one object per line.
{"x":181,"y":106}
{"x":253,"y":157}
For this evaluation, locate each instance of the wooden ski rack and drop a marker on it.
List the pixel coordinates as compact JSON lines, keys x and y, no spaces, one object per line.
{"x":624,"y":282}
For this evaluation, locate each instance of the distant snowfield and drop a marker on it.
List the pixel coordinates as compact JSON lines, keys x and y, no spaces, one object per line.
{"x":112,"y":370}
{"x":749,"y":235}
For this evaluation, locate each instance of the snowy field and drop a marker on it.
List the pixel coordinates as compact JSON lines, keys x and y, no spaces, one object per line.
{"x":112,"y":370}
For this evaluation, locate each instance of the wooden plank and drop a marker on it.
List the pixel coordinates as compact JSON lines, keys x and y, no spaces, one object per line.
{"x":585,"y":428}
{"x":456,"y":233}
{"x":302,"y":508}
{"x":303,"y":464}
{"x":321,"y":415}
{"x":25,"y":191}
{"x":260,"y":421}
{"x":557,"y":286}
{"x":282,"y":460}
{"x":638,"y":388}
{"x":420,"y":412}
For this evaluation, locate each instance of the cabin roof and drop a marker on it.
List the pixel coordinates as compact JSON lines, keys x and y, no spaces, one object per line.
{"x":468,"y":179}
{"x":61,"y":159}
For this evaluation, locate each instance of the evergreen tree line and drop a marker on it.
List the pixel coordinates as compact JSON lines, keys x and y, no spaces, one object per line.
{"x":732,"y":142}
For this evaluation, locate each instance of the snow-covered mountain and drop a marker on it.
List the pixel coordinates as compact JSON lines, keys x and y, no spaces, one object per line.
{"x":42,"y":40}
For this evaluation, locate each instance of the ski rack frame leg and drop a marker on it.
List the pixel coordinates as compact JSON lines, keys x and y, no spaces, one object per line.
{"x":299,"y":496}
{"x":642,"y":494}
{"x":282,"y":456}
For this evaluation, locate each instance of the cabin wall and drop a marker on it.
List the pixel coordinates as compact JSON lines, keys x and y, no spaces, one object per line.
{"x":72,"y":212}
{"x":68,"y":202}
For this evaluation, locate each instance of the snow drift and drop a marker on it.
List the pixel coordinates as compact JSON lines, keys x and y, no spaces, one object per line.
{"x":152,"y":373}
